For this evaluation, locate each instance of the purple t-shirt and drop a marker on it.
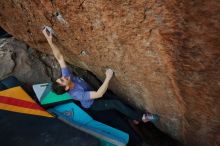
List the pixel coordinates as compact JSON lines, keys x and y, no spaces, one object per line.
{"x":81,"y":90}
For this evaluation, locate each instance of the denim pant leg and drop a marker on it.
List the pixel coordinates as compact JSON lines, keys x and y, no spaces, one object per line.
{"x":101,"y":104}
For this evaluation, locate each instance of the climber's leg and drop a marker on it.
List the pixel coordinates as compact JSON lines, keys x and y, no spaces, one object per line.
{"x":100,"y":105}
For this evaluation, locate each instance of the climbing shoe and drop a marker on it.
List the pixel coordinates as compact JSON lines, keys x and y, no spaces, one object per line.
{"x":148,"y":117}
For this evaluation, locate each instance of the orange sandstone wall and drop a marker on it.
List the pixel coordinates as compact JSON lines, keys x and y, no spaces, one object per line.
{"x":165,"y":54}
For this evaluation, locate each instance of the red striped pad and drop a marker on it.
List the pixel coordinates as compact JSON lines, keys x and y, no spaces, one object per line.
{"x":20,"y":103}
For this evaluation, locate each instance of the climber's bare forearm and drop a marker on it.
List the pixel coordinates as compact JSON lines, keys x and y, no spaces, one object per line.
{"x":101,"y":91}
{"x":58,"y":55}
{"x":56,"y":52}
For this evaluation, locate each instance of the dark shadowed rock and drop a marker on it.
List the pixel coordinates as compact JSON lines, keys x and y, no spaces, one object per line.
{"x":7,"y":63}
{"x":25,"y":63}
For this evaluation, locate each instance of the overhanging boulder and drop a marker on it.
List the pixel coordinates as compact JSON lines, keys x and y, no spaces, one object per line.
{"x":165,"y":54}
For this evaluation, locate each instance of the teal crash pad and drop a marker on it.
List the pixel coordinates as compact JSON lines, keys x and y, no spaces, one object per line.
{"x":73,"y":115}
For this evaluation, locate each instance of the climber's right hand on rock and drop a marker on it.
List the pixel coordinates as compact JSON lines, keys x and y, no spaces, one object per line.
{"x":47,"y":35}
{"x":109,"y":73}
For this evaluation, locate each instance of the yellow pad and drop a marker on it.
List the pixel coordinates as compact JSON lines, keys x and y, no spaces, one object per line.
{"x":19,"y":95}
{"x":24,"y":110}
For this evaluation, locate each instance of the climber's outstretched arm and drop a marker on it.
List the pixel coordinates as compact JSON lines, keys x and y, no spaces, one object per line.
{"x":103,"y":88}
{"x":56,"y":52}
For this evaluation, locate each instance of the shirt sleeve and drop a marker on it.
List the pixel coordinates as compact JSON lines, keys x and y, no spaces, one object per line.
{"x":66,"y":72}
{"x":81,"y":95}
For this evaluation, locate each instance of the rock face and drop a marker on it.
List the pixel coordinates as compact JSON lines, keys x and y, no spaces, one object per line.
{"x":26,"y":64}
{"x":165,"y":54}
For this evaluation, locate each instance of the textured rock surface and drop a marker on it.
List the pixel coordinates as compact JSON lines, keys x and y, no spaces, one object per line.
{"x":25,"y":63}
{"x":165,"y":53}
{"x":47,"y":68}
